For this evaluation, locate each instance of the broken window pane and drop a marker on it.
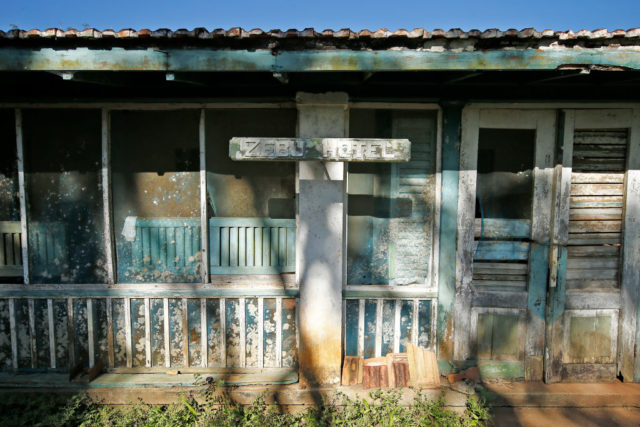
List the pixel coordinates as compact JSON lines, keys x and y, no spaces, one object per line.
{"x":391,"y":205}
{"x":156,"y":196}
{"x":505,"y":163}
{"x":65,"y":215}
{"x":251,"y":205}
{"x":10,"y":246}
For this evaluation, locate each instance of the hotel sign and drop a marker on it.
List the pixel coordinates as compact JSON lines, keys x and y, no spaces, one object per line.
{"x":325,"y":149}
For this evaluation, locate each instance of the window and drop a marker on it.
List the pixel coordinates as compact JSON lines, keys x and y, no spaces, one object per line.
{"x":391,"y":206}
{"x":156,"y":196}
{"x":65,"y":215}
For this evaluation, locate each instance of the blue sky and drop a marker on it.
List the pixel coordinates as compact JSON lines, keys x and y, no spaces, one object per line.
{"x":334,"y":14}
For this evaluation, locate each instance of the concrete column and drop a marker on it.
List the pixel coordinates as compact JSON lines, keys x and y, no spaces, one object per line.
{"x":320,"y":241}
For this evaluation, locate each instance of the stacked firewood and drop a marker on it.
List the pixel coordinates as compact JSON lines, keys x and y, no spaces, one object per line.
{"x":417,"y":367}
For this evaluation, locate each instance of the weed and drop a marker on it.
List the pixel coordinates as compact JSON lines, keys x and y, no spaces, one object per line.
{"x":211,"y":407}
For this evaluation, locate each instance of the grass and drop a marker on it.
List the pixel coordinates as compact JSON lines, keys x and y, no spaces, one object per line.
{"x":382,"y":408}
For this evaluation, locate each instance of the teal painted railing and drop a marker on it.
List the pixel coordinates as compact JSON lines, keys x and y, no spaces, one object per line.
{"x":252,"y":245}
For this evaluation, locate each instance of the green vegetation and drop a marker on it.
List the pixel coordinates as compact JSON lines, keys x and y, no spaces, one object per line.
{"x":382,"y":408}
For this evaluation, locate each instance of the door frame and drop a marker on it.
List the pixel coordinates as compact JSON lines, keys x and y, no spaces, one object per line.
{"x":532,"y":301}
{"x":626,"y":303}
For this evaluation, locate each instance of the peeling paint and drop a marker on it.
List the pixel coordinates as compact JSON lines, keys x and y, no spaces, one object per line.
{"x":176,"y":347}
{"x":41,"y":315}
{"x":252,"y":337}
{"x":232,"y":333}
{"x":22,"y":333}
{"x":214,"y":334}
{"x":119,"y":333}
{"x":81,"y":333}
{"x":100,"y":330}
{"x":138,"y":351}
{"x":156,"y":311}
{"x":5,"y":336}
{"x":195,"y":331}
{"x":269,"y":325}
{"x":289,"y":334}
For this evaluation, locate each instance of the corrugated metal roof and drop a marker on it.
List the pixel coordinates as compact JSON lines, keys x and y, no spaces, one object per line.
{"x":310,"y":33}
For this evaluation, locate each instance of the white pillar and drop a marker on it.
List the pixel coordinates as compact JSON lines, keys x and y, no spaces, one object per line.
{"x":320,"y":245}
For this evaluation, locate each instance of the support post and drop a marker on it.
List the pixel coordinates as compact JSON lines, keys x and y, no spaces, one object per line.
{"x":452,"y":120}
{"x":320,"y":240}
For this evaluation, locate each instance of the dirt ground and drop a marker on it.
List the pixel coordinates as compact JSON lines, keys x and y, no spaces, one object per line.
{"x":566,"y":417}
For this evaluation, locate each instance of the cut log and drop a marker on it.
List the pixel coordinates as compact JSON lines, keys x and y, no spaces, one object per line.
{"x":375,"y":373}
{"x":423,"y":367}
{"x":352,"y":370}
{"x":398,"y":369}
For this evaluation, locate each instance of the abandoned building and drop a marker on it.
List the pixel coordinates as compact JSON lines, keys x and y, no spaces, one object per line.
{"x":507,"y":237}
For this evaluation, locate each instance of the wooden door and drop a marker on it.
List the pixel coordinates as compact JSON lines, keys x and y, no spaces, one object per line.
{"x":504,"y":216}
{"x":593,"y":288}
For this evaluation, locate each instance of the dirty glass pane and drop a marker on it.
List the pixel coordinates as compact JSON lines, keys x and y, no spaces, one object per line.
{"x":251,"y":205}
{"x":391,"y":205}
{"x":249,"y":189}
{"x":10,"y":247}
{"x":65,"y":216}
{"x":505,"y":163}
{"x":156,"y":196}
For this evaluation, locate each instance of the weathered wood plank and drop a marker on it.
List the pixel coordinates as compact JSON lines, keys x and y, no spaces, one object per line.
{"x":493,"y":228}
{"x":106,"y":194}
{"x":597,"y":189}
{"x":597,"y":178}
{"x":592,"y":273}
{"x":589,"y":239}
{"x":592,"y":284}
{"x":501,"y":251}
{"x":602,"y":214}
{"x":593,"y":251}
{"x":521,"y":284}
{"x":24,"y":226}
{"x":630,"y":335}
{"x":592,"y":262}
{"x":594,"y":226}
{"x":499,"y":277}
{"x":466,"y":231}
{"x":480,"y":267}
{"x":204,"y":220}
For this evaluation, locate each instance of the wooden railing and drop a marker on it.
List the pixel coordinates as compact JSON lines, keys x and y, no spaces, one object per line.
{"x":148,"y":333}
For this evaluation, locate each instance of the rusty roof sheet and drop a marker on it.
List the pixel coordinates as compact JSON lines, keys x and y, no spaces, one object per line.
{"x":310,"y":33}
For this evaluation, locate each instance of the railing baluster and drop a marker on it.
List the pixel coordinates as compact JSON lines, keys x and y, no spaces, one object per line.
{"x":243,"y":331}
{"x":261,"y":332}
{"x":147,"y":332}
{"x":396,"y":326}
{"x":223,"y":332}
{"x":204,"y":347}
{"x":185,"y":331}
{"x":279,"y":332}
{"x":71,"y":332}
{"x":361,"y":328}
{"x":127,"y":328}
{"x":110,"y":344}
{"x":90,"y":335}
{"x":167,"y":346}
{"x":379,"y":303}
{"x":414,"y":325}
{"x":32,"y":334}
{"x":14,"y":335}
{"x":52,"y":334}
